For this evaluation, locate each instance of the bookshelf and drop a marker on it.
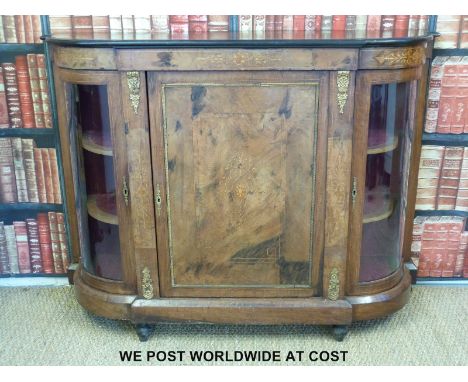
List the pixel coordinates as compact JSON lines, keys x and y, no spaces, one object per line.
{"x":42,"y":138}
{"x":447,"y":140}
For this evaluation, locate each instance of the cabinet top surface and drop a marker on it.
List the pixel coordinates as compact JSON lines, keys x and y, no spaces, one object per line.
{"x":294,"y":39}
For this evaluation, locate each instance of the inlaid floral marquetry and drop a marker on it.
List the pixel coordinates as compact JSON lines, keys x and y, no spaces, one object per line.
{"x":147,"y":284}
{"x":342,"y":82}
{"x":406,"y":57}
{"x":133,"y":81}
{"x":333,"y":285}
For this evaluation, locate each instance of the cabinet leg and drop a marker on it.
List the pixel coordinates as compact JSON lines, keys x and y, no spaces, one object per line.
{"x":340,"y":331}
{"x":144,"y":331}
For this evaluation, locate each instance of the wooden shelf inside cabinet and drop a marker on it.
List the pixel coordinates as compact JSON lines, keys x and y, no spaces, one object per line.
{"x":389,"y":145}
{"x":378,"y":204}
{"x":92,"y":144}
{"x":102,"y":207}
{"x":25,"y":133}
{"x":33,"y":207}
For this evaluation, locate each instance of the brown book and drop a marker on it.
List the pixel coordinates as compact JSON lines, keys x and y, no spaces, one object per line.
{"x":47,"y":175}
{"x":62,"y":234}
{"x":30,"y":170}
{"x":461,"y":113}
{"x":4,"y":260}
{"x":179,"y":24}
{"x":448,"y":93}
{"x":12,"y":249}
{"x":218,"y":23}
{"x":449,"y":29}
{"x":278,"y":23}
{"x":433,"y":95}
{"x":101,"y":27}
{"x":463,"y":43}
{"x":35,"y":91}
{"x":160,"y":24}
{"x":387,"y":26}
{"x":418,"y":229}
{"x":45,"y":243}
{"x":413,"y":25}
{"x":24,"y":90}
{"x":44,"y":86}
{"x":34,"y":246}
{"x":401,"y":26}
{"x":449,"y":178}
{"x":198,"y":24}
{"x":41,"y":183}
{"x":461,"y":254}
{"x":461,"y":203}
{"x":55,"y":176}
{"x":28,"y":29}
{"x":270,"y":24}
{"x":19,"y":25}
{"x":61,"y":26}
{"x":55,"y":243}
{"x":20,"y":173}
{"x":82,"y":26}
{"x":423,"y":24}
{"x":373,"y":26}
{"x":22,"y":246}
{"x":430,"y":166}
{"x":37,"y":29}
{"x":8,"y":193}
{"x":9,"y":29}
{"x":428,"y":246}
{"x":12,"y":95}
{"x":4,"y":120}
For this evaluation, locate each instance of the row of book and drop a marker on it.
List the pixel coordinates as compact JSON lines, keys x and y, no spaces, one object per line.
{"x":440,"y":246}
{"x":443,"y":178}
{"x":24,"y":93}
{"x":447,"y":100}
{"x":28,"y":173}
{"x":37,"y":245}
{"x":20,"y":29}
{"x":300,"y":26}
{"x":453,"y":32}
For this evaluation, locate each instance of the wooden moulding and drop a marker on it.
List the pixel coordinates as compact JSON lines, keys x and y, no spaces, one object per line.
{"x":315,"y":311}
{"x":99,"y":214}
{"x":392,"y":58}
{"x":85,"y":58}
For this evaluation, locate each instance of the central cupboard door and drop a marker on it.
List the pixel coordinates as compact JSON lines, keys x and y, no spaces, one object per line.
{"x":238,"y":170}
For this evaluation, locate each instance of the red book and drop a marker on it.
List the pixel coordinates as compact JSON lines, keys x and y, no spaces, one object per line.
{"x":34,"y":246}
{"x":430,"y":167}
{"x":449,"y":178}
{"x":35,"y":91}
{"x":299,"y":23}
{"x":55,"y":243}
{"x":12,"y":95}
{"x":373,"y":26}
{"x":37,"y":29}
{"x":278,"y":23}
{"x":198,"y":24}
{"x":28,"y":29}
{"x":4,"y":121}
{"x":448,"y":93}
{"x":461,"y":254}
{"x":218,"y":23}
{"x":451,"y":243}
{"x":47,"y":175}
{"x":39,"y":168}
{"x":269,"y":23}
{"x":433,"y":96}
{"x":21,"y":233}
{"x":318,"y":23}
{"x":179,"y":24}
{"x":338,"y":26}
{"x":401,"y":25}
{"x":45,"y":243}
{"x":24,"y":90}
{"x":62,"y":239}
{"x":461,"y":113}
{"x":464,"y":33}
{"x":19,"y":25}
{"x":387,"y":26}
{"x":8,"y":191}
{"x":101,"y":27}
{"x":44,"y":86}
{"x":82,"y":26}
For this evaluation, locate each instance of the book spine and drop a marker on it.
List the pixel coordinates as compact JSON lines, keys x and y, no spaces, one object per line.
{"x":34,"y":246}
{"x":338,"y":26}
{"x":361,"y":26}
{"x":115,"y":25}
{"x":448,"y":27}
{"x":128,"y":28}
{"x":8,"y":193}
{"x":12,"y":250}
{"x":45,"y":243}
{"x":464,"y":32}
{"x":327,"y":26}
{"x":24,"y":91}
{"x":387,"y":26}
{"x":9,"y":29}
{"x":82,"y":26}
{"x":428,"y":247}
{"x":449,"y":178}
{"x":401,"y":25}
{"x":258,"y":22}
{"x":218,"y":23}
{"x":41,"y":183}
{"x":55,"y":176}
{"x":61,"y":26}
{"x":373,"y":26}
{"x":418,"y":229}
{"x":101,"y":27}
{"x":351,"y":26}
{"x":461,"y":116}
{"x":63,"y":240}
{"x":44,"y":86}
{"x":269,"y":23}
{"x":413,"y":25}
{"x":433,"y":96}
{"x":160,"y":24}
{"x":179,"y":25}
{"x":4,"y":260}
{"x":20,"y":32}
{"x":423,"y":26}
{"x":47,"y":175}
{"x":4,"y":121}
{"x":429,"y":172}
{"x":30,"y":170}
{"x":198,"y":24}
{"x":28,"y":29}
{"x":37,"y":29}
{"x":234,"y":23}
{"x":299,"y":23}
{"x":461,"y":255}
{"x":448,"y":94}
{"x":35,"y":91}
{"x":142,"y":25}
{"x":2,"y":33}
{"x":461,"y":203}
{"x":12,"y":95}
{"x":21,"y":233}
{"x":20,"y":173}
{"x":55,"y":243}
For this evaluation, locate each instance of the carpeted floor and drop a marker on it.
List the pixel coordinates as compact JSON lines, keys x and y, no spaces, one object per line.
{"x":46,"y":326}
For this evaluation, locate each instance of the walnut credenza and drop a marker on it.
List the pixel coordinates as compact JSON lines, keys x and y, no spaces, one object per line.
{"x":241,"y":181}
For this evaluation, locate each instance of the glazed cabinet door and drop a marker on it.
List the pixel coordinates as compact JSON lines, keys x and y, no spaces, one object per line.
{"x":239,"y":175}
{"x":93,"y":142}
{"x":383,"y":146}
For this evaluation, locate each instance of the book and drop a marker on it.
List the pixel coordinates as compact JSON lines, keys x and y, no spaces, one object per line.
{"x":55,"y":243}
{"x":115,"y":27}
{"x":41,"y":182}
{"x":413,"y":25}
{"x":361,"y":26}
{"x":2,"y":33}
{"x":36,"y":95}
{"x":463,"y":42}
{"x":44,"y":87}
{"x":179,"y":25}
{"x":55,"y":176}
{"x":4,"y":260}
{"x":449,"y":178}
{"x":12,"y":95}
{"x":327,"y":26}
{"x":461,"y":203}
{"x":142,"y":27}
{"x":448,"y":94}
{"x":270,"y":24}
{"x":418,"y":228}
{"x":430,"y":166}
{"x":28,"y":29}
{"x":9,"y":29}
{"x":448,"y":27}
{"x":128,"y":29}
{"x":34,"y":246}
{"x":461,"y":254}
{"x":451,"y":243}
{"x":82,"y":26}
{"x":8,"y":193}
{"x":401,"y":26}
{"x":101,"y":27}
{"x":387,"y":26}
{"x":160,"y":24}
{"x":218,"y":23}
{"x":198,"y":24}
{"x":373,"y":26}
{"x":4,"y":120}
{"x":30,"y":170}
{"x":45,"y":243}
{"x":461,"y":113}
{"x":47,"y":175}
{"x":338,"y":26}
{"x":61,"y":25}
{"x":259,"y":26}
{"x":11,"y":248}
{"x":20,"y":174}
{"x":20,"y":32}
{"x":350,"y":26}
{"x":433,"y":95}
{"x":21,"y":234}
{"x":24,"y":91}
{"x":62,"y":235}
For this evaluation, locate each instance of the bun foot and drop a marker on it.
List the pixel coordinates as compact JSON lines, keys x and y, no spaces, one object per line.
{"x":144,"y":331}
{"x":340,"y":331}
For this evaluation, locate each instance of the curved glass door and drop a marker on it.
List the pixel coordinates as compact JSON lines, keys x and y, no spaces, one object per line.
{"x":389,"y":144}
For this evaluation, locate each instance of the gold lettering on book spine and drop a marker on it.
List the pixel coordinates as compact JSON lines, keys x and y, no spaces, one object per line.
{"x":410,"y":56}
{"x":342,"y":82}
{"x":133,"y":82}
{"x":333,"y":285}
{"x":147,"y":284}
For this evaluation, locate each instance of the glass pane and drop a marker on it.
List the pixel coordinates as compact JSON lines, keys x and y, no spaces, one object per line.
{"x":389,"y":146}
{"x":95,"y":183}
